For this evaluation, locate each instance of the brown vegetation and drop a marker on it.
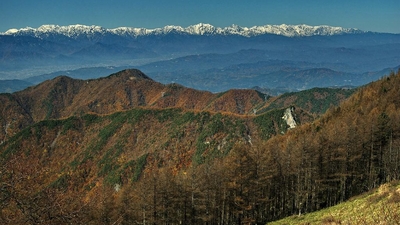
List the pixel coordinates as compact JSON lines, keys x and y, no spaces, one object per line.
{"x":63,"y":97}
{"x":173,"y":166}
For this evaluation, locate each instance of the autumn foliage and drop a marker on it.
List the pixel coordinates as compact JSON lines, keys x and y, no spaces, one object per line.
{"x":159,"y":164}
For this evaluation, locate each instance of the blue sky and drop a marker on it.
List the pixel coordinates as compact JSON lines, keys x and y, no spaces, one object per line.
{"x":369,"y":15}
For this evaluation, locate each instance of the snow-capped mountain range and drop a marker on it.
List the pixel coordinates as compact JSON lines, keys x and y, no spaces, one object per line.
{"x":74,"y":31}
{"x":203,"y":56}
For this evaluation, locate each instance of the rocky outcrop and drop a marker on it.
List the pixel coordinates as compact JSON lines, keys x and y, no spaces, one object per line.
{"x":288,"y":116}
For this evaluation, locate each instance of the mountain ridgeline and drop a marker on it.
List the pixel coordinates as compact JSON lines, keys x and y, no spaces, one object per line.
{"x":63,"y":97}
{"x":126,"y":149}
{"x":204,"y":57}
{"x":82,"y":31}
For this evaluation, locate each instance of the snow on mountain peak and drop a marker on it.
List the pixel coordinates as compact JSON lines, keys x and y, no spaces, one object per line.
{"x":77,"y":30}
{"x":11,"y":31}
{"x":201,"y":29}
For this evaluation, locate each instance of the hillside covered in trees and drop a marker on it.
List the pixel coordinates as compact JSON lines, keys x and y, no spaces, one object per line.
{"x":170,"y":157}
{"x":63,"y":97}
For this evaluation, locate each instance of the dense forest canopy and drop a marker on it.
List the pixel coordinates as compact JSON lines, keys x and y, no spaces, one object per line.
{"x":172,"y":166}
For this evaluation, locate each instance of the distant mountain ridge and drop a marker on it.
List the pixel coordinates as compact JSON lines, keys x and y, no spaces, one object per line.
{"x":77,"y":30}
{"x":198,"y":55}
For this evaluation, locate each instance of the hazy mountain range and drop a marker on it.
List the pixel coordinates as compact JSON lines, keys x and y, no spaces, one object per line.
{"x":204,"y":134}
{"x":202,"y":56}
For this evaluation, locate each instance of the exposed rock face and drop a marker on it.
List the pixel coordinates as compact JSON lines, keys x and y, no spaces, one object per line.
{"x":289,"y":118}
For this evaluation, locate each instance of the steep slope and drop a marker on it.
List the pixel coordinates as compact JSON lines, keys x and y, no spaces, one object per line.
{"x":316,"y":100}
{"x":63,"y":97}
{"x":237,"y":101}
{"x":68,"y":162}
{"x":14,"y":117}
{"x":353,"y":148}
{"x":179,"y":166}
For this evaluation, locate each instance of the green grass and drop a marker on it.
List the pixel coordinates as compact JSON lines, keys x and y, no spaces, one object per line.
{"x":381,"y":206}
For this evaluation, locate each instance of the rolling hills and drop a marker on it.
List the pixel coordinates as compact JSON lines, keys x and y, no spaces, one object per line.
{"x":126,"y":149}
{"x":205,"y":57}
{"x":63,"y":97}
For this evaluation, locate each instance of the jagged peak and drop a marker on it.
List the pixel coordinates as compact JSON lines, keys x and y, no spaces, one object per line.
{"x":197,"y":29}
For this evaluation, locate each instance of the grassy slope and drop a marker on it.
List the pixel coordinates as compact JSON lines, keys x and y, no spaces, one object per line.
{"x":381,"y":206}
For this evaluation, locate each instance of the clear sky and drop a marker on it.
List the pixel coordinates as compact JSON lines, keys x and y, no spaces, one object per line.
{"x":368,"y":15}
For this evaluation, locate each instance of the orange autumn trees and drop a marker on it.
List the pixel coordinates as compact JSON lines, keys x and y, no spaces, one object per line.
{"x":173,"y":166}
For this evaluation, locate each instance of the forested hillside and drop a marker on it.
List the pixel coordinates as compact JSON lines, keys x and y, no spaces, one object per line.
{"x":63,"y":97}
{"x":52,"y":170}
{"x":181,"y":165}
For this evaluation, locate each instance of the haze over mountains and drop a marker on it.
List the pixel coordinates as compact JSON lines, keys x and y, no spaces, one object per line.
{"x":202,"y":56}
{"x":202,"y":133}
